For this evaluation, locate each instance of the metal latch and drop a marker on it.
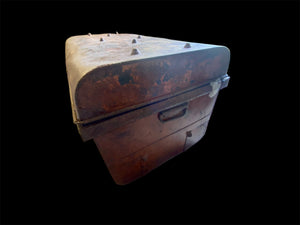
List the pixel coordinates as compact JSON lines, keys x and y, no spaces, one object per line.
{"x":215,"y":85}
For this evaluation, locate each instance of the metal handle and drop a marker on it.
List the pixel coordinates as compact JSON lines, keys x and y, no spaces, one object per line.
{"x":173,"y":113}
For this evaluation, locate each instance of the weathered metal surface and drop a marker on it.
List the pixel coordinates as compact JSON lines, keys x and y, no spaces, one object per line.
{"x":138,"y":82}
{"x":135,"y":95}
{"x":123,"y":117}
{"x":106,"y":76}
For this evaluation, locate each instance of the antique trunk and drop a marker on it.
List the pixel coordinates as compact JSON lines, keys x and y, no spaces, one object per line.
{"x":143,"y":100}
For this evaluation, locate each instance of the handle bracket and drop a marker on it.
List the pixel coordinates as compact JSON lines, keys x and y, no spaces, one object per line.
{"x":215,"y":85}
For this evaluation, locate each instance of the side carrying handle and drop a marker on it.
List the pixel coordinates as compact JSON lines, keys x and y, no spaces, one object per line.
{"x":173,"y":113}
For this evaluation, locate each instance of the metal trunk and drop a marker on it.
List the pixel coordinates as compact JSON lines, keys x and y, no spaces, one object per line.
{"x":142,"y":99}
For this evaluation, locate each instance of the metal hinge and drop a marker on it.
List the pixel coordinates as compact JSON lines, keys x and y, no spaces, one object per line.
{"x":215,"y":86}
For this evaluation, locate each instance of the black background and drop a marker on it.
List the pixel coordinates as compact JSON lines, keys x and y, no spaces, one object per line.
{"x":245,"y":169}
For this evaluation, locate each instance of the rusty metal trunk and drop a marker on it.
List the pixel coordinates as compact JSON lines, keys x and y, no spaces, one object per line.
{"x":142,"y":99}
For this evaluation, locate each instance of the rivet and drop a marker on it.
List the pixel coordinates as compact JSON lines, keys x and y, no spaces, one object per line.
{"x":101,"y":39}
{"x":187,"y":45}
{"x":189,"y":134}
{"x":135,"y":51}
{"x":108,"y":35}
{"x":133,"y":41}
{"x":139,"y":37}
{"x":89,"y":34}
{"x":117,"y":32}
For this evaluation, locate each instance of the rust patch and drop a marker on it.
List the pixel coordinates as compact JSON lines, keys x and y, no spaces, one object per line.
{"x":126,"y":78}
{"x":168,"y":76}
